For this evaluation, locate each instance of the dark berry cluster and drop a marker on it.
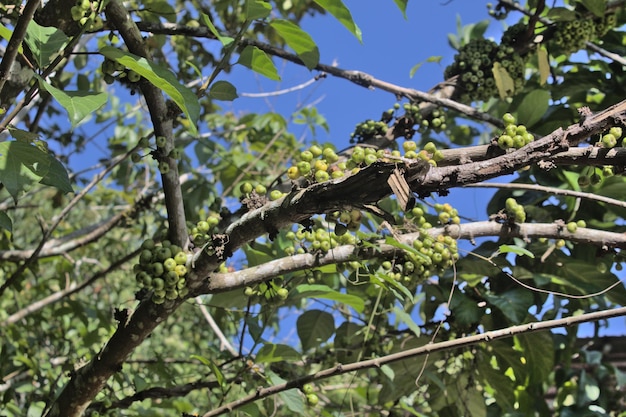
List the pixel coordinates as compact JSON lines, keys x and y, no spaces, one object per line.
{"x":162,"y":269}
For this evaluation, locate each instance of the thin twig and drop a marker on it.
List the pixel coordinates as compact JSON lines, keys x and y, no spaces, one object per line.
{"x":224,"y":343}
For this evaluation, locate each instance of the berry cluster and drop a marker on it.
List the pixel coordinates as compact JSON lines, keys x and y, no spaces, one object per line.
{"x":113,"y":70}
{"x":572,"y":227}
{"x":474,"y":65}
{"x":311,"y":398}
{"x":202,"y":232}
{"x":430,"y":153}
{"x":514,"y":211}
{"x":371,"y":128}
{"x":571,"y":36}
{"x":317,"y":164}
{"x":161,"y":141}
{"x":610,"y":139}
{"x":84,"y":13}
{"x":514,"y":136}
{"x":321,"y":238}
{"x":271,"y":292}
{"x":162,"y":269}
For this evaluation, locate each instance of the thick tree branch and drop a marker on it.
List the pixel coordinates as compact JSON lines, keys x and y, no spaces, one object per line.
{"x":430,"y":348}
{"x":466,"y":231}
{"x":162,"y":121}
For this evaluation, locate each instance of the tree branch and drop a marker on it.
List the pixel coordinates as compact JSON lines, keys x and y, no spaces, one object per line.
{"x":430,"y":348}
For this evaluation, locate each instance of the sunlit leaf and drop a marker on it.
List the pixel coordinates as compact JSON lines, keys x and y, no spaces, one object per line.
{"x":504,"y":82}
{"x":341,"y":13}
{"x":518,"y":250}
{"x":402,"y":6}
{"x":543,"y":64}
{"x":5,"y":222}
{"x":44,"y":42}
{"x":225,"y":40}
{"x":298,"y":40}
{"x":257,"y":9}
{"x":325,"y":292}
{"x":78,"y":104}
{"x":270,"y":353}
{"x":6,"y":33}
{"x":161,"y":77}
{"x":258,"y":61}
{"x":533,"y":106}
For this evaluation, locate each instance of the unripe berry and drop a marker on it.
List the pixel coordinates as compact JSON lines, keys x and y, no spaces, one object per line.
{"x":164,"y":167}
{"x":245,"y":188}
{"x":312,"y":399}
{"x":315,"y":150}
{"x":161,"y":141}
{"x":275,"y":195}
{"x":572,"y":227}
{"x":306,"y":156}
{"x":616,"y":131}
{"x":293,"y":173}
{"x":321,"y":176}
{"x":135,"y":157}
{"x":260,"y":189}
{"x":308,"y":389}
{"x":508,"y":119}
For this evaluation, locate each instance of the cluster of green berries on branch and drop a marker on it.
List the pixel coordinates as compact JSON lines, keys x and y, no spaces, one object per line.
{"x":429,"y":153}
{"x":162,"y":269}
{"x":311,"y":398}
{"x":572,"y":227}
{"x":317,"y":164}
{"x":84,"y":13}
{"x":271,"y":292}
{"x":474,"y":66}
{"x":325,"y":236}
{"x":514,"y":136}
{"x":611,"y":139}
{"x":160,"y":142}
{"x":514,"y":211}
{"x":571,"y":36}
{"x":202,"y":232}
{"x":113,"y":70}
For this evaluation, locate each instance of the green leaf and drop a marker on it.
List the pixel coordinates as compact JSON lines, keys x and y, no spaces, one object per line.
{"x":219,"y":376}
{"x":22,"y":135}
{"x":159,"y":8}
{"x":543,"y":63}
{"x":57,"y":176}
{"x":21,"y":164}
{"x":504,"y":82}
{"x":406,"y":318}
{"x":161,"y":77}
{"x":402,"y":6}
{"x":516,"y":250}
{"x":258,"y":61}
{"x":5,"y":222}
{"x":270,"y":353}
{"x":257,"y":9}
{"x":561,"y":14}
{"x":532,"y":107}
{"x":435,"y":58}
{"x":597,"y":7}
{"x":6,"y":34}
{"x":325,"y":292}
{"x":538,"y":351}
{"x":314,"y":328}
{"x":78,"y":104}
{"x":466,"y":311}
{"x":514,"y":304}
{"x":341,"y":13}
{"x":225,"y":40}
{"x":292,"y":398}
{"x":298,"y":40}
{"x":44,"y":42}
{"x":223,"y":90}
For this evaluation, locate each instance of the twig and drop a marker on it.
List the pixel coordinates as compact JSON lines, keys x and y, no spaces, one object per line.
{"x":412,"y":353}
{"x":549,"y":190}
{"x":224,"y":343}
{"x":283,"y":91}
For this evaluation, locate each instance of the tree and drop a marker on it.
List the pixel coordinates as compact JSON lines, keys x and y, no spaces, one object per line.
{"x":160,"y":281}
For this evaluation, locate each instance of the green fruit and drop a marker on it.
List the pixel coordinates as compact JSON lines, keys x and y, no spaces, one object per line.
{"x":275,"y":195}
{"x":511,"y":204}
{"x":306,"y":156}
{"x":572,"y":227}
{"x":505,"y":142}
{"x":303,"y":167}
{"x":616,"y":131}
{"x":156,"y":269}
{"x":135,"y":157}
{"x":260,"y":189}
{"x":161,"y":141}
{"x":282,"y":293}
{"x":145,"y":257}
{"x":164,"y":167}
{"x":409,"y":145}
{"x":609,"y":140}
{"x":370,"y":159}
{"x":312,"y":400}
{"x":176,"y":153}
{"x":169,"y":264}
{"x":308,"y":389}
{"x":133,"y":77}
{"x":581,"y":223}
{"x":245,"y":188}
{"x":315,"y":150}
{"x":508,"y":119}
{"x":181,"y":270}
{"x":583,"y":181}
{"x":248,"y":291}
{"x":559,"y":243}
{"x":321,"y":176}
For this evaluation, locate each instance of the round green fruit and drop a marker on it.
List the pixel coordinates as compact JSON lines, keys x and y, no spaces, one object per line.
{"x":508,"y":119}
{"x":246,"y":188}
{"x":275,"y":195}
{"x":308,"y":389}
{"x":312,"y":399}
{"x":572,"y":227}
{"x":161,"y":141}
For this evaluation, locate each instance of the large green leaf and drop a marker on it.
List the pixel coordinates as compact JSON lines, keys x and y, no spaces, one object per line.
{"x":270,"y":353}
{"x":78,"y":104}
{"x":341,"y":13}
{"x":314,"y":328}
{"x":292,"y":398}
{"x":298,"y":40}
{"x":22,"y":164}
{"x":161,"y":77}
{"x":223,"y":90}
{"x":538,"y":352}
{"x":258,"y":61}
{"x":257,"y":9}
{"x":325,"y":292}
{"x":402,"y":6}
{"x":44,"y":42}
{"x":533,"y":106}
{"x":514,"y":304}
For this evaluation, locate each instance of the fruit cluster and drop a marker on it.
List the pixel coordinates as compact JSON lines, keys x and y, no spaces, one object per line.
{"x":571,"y":36}
{"x":514,"y":211}
{"x":311,"y":398}
{"x":572,"y":227}
{"x":271,"y":291}
{"x":84,"y":13}
{"x":202,"y":232}
{"x":370,"y":128}
{"x":610,"y":139}
{"x":162,"y":269}
{"x":321,"y":238}
{"x":430,"y":153}
{"x":474,"y":66}
{"x":514,"y":136}
{"x":317,"y":164}
{"x":113,"y":70}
